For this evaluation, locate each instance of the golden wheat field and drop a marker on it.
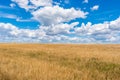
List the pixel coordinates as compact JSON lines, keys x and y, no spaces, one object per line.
{"x":59,"y":62}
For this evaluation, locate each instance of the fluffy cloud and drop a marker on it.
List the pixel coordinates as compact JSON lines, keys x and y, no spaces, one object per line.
{"x":9,"y":32}
{"x":5,"y":29}
{"x":107,"y":32}
{"x":60,"y":29}
{"x":32,"y":4}
{"x":22,"y":3}
{"x":55,"y":15}
{"x":104,"y":32}
{"x":96,"y":7}
{"x":49,"y":14}
{"x":115,"y":25}
{"x":38,"y":3}
{"x":55,"y":28}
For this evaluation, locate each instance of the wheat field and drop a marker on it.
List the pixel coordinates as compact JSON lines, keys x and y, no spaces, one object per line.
{"x":59,"y":62}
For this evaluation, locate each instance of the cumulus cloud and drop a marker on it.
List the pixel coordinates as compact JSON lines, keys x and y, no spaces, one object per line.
{"x":8,"y":30}
{"x":33,"y":4}
{"x":104,"y":32}
{"x":50,"y":14}
{"x":22,"y":3}
{"x":60,"y":29}
{"x":96,"y":7}
{"x":38,"y":3}
{"x":55,"y":15}
{"x":107,"y":32}
{"x":115,"y":25}
{"x":12,"y":33}
{"x":56,"y":26}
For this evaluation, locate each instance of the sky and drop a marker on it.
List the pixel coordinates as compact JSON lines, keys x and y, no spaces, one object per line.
{"x":60,"y":21}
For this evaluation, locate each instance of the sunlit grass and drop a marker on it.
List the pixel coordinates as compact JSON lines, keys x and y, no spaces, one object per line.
{"x":59,"y":62}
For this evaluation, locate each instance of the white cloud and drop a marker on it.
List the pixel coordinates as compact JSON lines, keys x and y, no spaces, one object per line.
{"x":85,"y":1}
{"x":5,"y":29}
{"x":38,"y":3}
{"x":115,"y":25}
{"x":107,"y":32}
{"x":9,"y":32}
{"x":55,"y":15}
{"x":96,"y":29}
{"x":60,"y":29}
{"x":96,"y":7}
{"x":54,"y":25}
{"x":50,"y":14}
{"x":32,"y":4}
{"x":22,"y":3}
{"x":104,"y":32}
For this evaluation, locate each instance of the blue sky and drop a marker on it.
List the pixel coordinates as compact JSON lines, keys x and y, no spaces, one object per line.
{"x":60,"y":21}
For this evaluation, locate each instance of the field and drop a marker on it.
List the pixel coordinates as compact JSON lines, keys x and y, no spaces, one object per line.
{"x":59,"y":62}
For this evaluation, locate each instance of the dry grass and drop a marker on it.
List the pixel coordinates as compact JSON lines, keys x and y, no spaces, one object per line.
{"x":59,"y":62}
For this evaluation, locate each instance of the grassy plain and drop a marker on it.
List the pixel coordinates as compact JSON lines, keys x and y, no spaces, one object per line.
{"x":59,"y":62}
